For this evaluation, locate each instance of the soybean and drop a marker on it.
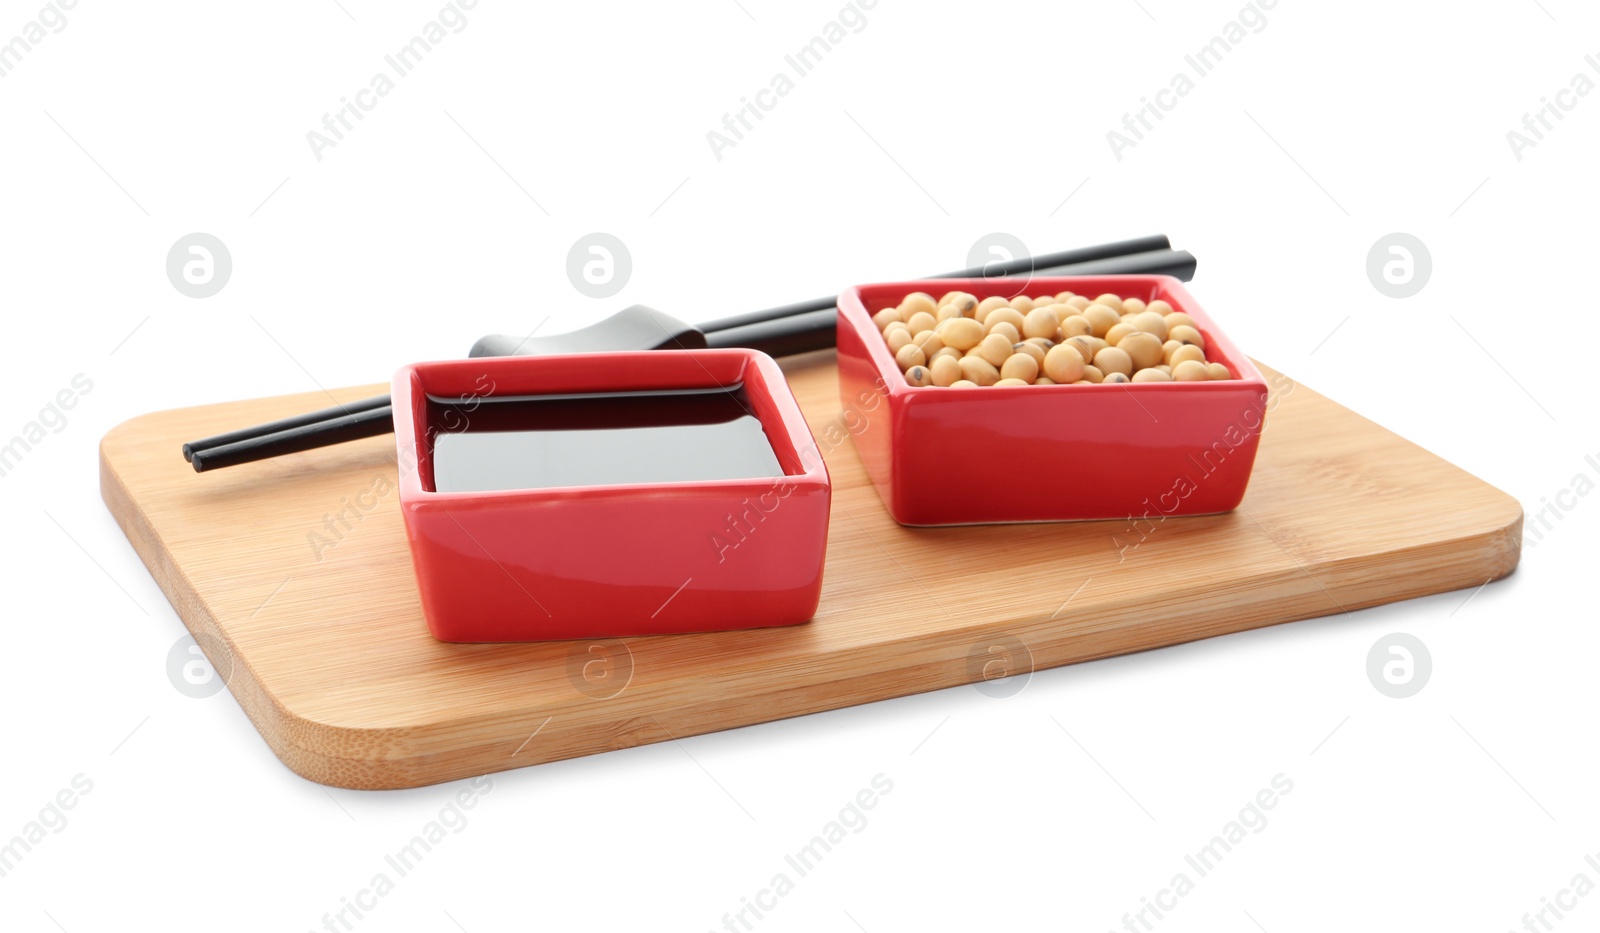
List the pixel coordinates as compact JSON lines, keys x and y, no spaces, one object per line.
{"x":930,"y":343}
{"x":1041,"y":322}
{"x":962,"y":333}
{"x":1009,"y":315}
{"x":1087,"y":346}
{"x":915,"y":302}
{"x":1118,"y":331}
{"x":908,"y":356}
{"x":964,"y":302}
{"x":1101,"y":318}
{"x":1020,"y":366}
{"x":1006,"y":330}
{"x":1143,"y":348}
{"x":1176,"y":318}
{"x":987,"y":305}
{"x":1063,"y":363}
{"x":1032,"y":349}
{"x":1147,"y":321}
{"x":1183,"y":333}
{"x":1184,"y":352}
{"x":977,"y":370}
{"x":995,"y":349}
{"x":1113,"y":361}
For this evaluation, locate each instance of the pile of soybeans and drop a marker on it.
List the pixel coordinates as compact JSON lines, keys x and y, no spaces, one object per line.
{"x":1068,"y":339}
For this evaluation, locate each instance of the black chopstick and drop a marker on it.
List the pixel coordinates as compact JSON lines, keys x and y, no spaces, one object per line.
{"x":782,"y":331}
{"x":368,"y":422}
{"x":1023,"y":266}
{"x":285,"y":424}
{"x":804,"y":331}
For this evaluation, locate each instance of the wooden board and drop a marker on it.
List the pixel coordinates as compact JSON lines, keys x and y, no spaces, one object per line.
{"x":325,"y":648}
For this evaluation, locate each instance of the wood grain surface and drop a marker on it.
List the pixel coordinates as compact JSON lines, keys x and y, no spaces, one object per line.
{"x":294,"y":576}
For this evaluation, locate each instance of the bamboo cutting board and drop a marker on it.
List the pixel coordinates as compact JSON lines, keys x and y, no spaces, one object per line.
{"x":293,"y":574}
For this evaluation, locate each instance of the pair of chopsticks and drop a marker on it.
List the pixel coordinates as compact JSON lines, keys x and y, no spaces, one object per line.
{"x":781,"y":331}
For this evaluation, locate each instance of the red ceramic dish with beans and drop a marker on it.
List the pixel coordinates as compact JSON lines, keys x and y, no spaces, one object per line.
{"x":605,"y":556}
{"x":1031,"y":453}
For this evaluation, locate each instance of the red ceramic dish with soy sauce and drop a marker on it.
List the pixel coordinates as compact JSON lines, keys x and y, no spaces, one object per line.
{"x":610,"y":559}
{"x":948,"y":456}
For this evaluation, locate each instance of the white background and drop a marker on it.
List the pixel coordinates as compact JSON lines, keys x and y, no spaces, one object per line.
{"x":448,"y":212}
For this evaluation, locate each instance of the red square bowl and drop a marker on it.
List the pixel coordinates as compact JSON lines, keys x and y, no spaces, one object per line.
{"x":952,"y":456}
{"x":612,"y":558}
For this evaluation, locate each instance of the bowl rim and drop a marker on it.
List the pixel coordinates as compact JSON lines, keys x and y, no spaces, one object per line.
{"x":852,"y":310}
{"x":759,"y":373}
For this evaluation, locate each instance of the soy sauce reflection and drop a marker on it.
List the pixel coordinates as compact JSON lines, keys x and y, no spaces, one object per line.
{"x":538,"y":442}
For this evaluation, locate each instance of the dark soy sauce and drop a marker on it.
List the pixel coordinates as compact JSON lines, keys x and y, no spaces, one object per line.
{"x":538,"y":442}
